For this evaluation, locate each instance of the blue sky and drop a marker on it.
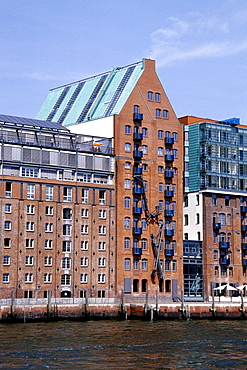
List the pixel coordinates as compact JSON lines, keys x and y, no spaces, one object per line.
{"x":200,"y":48}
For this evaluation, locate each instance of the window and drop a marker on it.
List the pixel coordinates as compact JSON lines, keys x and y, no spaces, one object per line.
{"x":175,"y":153}
{"x":228,"y":219}
{"x":150,"y":95}
{"x":186,"y":201}
{"x":144,"y":224}
{"x":29,"y":243}
{"x":84,"y":213}
{"x":66,"y":246}
{"x":127,"y":202}
{"x":127,"y":263}
{"x":65,"y":279}
{"x":127,"y":222}
{"x":102,"y":230}
{"x":197,"y":218}
{"x":66,"y":262}
{"x":29,"y":226}
{"x":144,"y":244}
{"x":214,"y":200}
{"x":160,"y":187}
{"x":84,"y":196}
{"x":144,"y":167}
{"x":102,"y":246}
{"x":48,"y":244}
{"x":144,"y":132}
{"x":174,"y":265}
{"x":144,"y":264}
{"x":186,"y":220}
{"x":49,"y":227}
{"x":49,"y":210}
{"x":83,"y":278}
{"x":102,"y":214}
{"x":47,"y":278}
{"x":157,"y":97}
{"x":198,"y":235}
{"x":101,"y":262}
{"x":5,"y":278}
{"x":222,"y":218}
{"x":29,"y":172}
{"x":126,"y":243}
{"x":48,"y":261}
{"x":136,"y":109}
{"x":7,"y":225}
{"x":215,"y":255}
{"x":101,"y":278}
{"x":186,"y":236}
{"x":127,"y":165}
{"x":49,"y":192}
{"x":144,"y":149}
{"x":84,"y":261}
{"x":84,"y":245}
{"x":160,"y":169}
{"x":165,"y":114}
{"x":67,"y":194}
{"x":167,"y":265}
{"x":28,"y":278}
{"x":216,"y":271}
{"x":84,"y":229}
{"x":160,"y":151}
{"x":136,"y":264}
{"x":6,"y":260}
{"x":127,"y":183}
{"x":160,"y":205}
{"x":223,"y":270}
{"x":8,"y":208}
{"x":102,"y":197}
{"x":158,"y":113}
{"x":160,"y":134}
{"x":127,"y":147}
{"x":227,"y":201}
{"x":8,"y":189}
{"x":30,"y":191}
{"x":175,"y":136}
{"x":30,"y":209}
{"x":127,"y":129}
{"x":29,"y":261}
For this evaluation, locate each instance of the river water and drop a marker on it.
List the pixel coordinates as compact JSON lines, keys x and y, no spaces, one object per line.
{"x":124,"y":345}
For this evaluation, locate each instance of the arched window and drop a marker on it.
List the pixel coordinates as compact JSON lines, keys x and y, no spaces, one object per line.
{"x":144,"y":264}
{"x":127,"y":263}
{"x":215,"y":254}
{"x":126,"y":243}
{"x":186,"y":219}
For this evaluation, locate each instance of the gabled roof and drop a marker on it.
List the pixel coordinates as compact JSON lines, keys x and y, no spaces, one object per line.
{"x":21,"y":121}
{"x":92,"y":98}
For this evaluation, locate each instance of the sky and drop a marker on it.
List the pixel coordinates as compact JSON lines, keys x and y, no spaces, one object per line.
{"x":200,"y":48}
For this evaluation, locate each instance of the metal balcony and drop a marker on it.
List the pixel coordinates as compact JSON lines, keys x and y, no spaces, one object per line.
{"x":169,"y":232}
{"x":224,"y":245}
{"x":137,"y":251}
{"x":138,"y":154}
{"x":169,"y":140}
{"x":138,"y":116}
{"x":169,"y":252}
{"x":217,"y":226}
{"x":137,"y":190}
{"x":225,"y":261}
{"x":169,"y":212}
{"x":244,"y":227}
{"x":137,"y":136}
{"x":243,"y":209}
{"x":137,"y":171}
{"x":244,"y":246}
{"x":137,"y":210}
{"x":169,"y":193}
{"x":245,"y":262}
{"x":169,"y":174}
{"x":137,"y":230}
{"x":169,"y":157}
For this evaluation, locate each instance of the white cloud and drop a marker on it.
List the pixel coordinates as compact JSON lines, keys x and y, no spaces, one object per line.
{"x":197,"y":38}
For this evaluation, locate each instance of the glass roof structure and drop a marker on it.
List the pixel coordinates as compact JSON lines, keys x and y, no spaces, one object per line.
{"x":21,"y":121}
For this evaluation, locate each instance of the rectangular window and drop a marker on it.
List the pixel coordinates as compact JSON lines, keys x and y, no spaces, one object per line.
{"x":84,"y":245}
{"x":6,"y":260}
{"x":157,"y":97}
{"x":127,"y":129}
{"x":84,"y":261}
{"x":126,"y":243}
{"x":127,"y":264}
{"x":102,"y":246}
{"x":127,"y":183}
{"x":144,"y":264}
{"x":102,"y":230}
{"x":29,"y":243}
{"x":158,"y":113}
{"x":49,"y":193}
{"x":8,"y":208}
{"x":29,"y":172}
{"x":48,"y":261}
{"x":144,"y":131}
{"x":5,"y":278}
{"x":7,"y":242}
{"x":29,"y":261}
{"x":29,"y":226}
{"x":30,"y":209}
{"x":7,"y":225}
{"x":136,"y":264}
{"x":127,"y":223}
{"x":49,"y":210}
{"x":84,"y":213}
{"x":101,"y":278}
{"x":83,"y":278}
{"x":102,"y":213}
{"x":66,"y":262}
{"x":102,"y":197}
{"x":30,"y":191}
{"x":67,"y":194}
{"x":101,"y":262}
{"x":84,"y":196}
{"x":48,"y":244}
{"x":84,"y":229}
{"x":144,"y":149}
{"x":47,"y":278}
{"x":165,"y":114}
{"x":65,"y":279}
{"x":67,"y":230}
{"x":160,"y":134}
{"x":49,"y":227}
{"x":66,"y":246}
{"x":150,"y":95}
{"x":8,"y":189}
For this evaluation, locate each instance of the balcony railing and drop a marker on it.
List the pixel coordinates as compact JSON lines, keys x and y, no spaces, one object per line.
{"x":225,"y":261}
{"x":169,"y":252}
{"x":137,"y":230}
{"x":169,"y":174}
{"x":137,"y":189}
{"x":169,"y":212}
{"x":169,"y":193}
{"x":138,"y":154}
{"x":137,"y":251}
{"x":169,"y":140}
{"x":138,"y":116}
{"x":137,"y":210}
{"x":137,"y":171}
{"x":169,"y":157}
{"x":137,"y":136}
{"x":217,"y":225}
{"x":224,"y":245}
{"x":169,"y":232}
